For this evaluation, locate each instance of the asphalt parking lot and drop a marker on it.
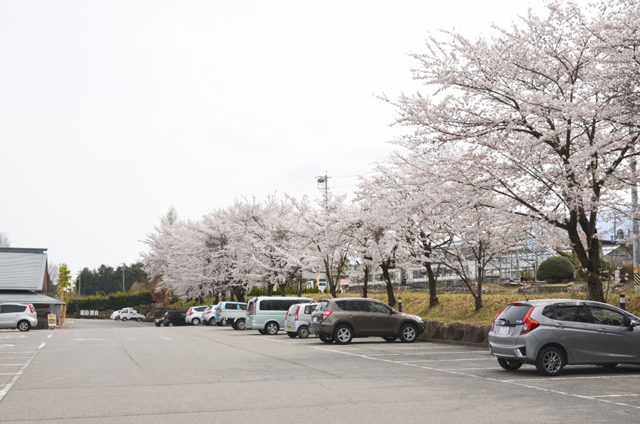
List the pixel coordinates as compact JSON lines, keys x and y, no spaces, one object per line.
{"x":106,"y":371}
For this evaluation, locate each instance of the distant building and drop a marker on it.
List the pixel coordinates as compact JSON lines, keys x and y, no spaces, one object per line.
{"x":24,"y":278}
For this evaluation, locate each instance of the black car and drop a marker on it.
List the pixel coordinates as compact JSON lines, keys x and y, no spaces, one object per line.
{"x":159,"y":322}
{"x":172,"y":318}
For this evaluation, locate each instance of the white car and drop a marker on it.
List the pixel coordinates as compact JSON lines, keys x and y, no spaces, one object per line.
{"x":130,"y":314}
{"x":194,"y":315}
{"x":298,"y":319}
{"x":18,"y":315}
{"x":116,"y":314}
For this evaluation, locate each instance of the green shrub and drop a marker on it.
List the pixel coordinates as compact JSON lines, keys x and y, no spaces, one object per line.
{"x":111,"y":302}
{"x":555,"y":268}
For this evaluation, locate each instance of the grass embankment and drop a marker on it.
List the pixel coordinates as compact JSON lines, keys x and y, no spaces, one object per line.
{"x":460,"y":307}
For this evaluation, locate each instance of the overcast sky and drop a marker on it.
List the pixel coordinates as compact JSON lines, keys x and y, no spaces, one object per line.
{"x":113,"y":111}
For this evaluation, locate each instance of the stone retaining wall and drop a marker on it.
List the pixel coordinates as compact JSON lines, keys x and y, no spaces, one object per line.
{"x":459,"y":332}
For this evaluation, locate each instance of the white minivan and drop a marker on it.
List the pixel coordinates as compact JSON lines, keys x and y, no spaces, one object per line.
{"x":267,"y":314}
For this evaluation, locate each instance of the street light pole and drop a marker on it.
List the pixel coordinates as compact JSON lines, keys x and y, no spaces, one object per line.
{"x":123,"y":266}
{"x":636,"y":224}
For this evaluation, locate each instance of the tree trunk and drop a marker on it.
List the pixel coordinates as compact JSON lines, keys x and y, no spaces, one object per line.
{"x":330,"y":281}
{"x":239,"y":293}
{"x":479,"y":279}
{"x":433,"y":295}
{"x":478,"y":298}
{"x":387,"y":279}
{"x":269,"y":289}
{"x":590,"y":260}
{"x":365,"y":284}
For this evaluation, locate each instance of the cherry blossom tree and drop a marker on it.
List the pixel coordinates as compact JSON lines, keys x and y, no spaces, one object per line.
{"x":541,"y":114}
{"x":326,"y":233}
{"x":266,"y":232}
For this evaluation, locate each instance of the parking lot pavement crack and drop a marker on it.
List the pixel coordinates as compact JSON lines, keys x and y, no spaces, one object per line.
{"x":131,"y":357}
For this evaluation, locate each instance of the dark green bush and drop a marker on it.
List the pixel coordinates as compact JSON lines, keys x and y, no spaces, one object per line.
{"x":555,"y":268}
{"x":112,"y":302}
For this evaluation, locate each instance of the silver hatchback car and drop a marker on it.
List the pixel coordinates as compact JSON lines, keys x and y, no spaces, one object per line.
{"x":552,"y":333}
{"x":18,"y":315}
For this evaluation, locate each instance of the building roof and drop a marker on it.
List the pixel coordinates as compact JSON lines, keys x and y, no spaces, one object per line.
{"x":14,"y":296}
{"x":22,"y":269}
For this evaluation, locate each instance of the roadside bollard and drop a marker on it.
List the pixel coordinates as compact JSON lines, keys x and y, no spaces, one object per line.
{"x":399,"y":304}
{"x":623,"y":302}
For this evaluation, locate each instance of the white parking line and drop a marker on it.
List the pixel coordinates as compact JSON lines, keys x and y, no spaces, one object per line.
{"x":472,"y":369}
{"x":464,"y":374}
{"x":596,"y":377}
{"x":449,"y":360}
{"x":16,"y":377}
{"x":439,"y":353}
{"x":612,"y":396}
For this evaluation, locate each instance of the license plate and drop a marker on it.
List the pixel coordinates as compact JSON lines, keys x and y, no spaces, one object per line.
{"x":288,"y":328}
{"x":504,"y":331}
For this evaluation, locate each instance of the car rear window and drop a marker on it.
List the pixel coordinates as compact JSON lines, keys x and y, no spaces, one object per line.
{"x":514,"y":314}
{"x":322,"y":305}
{"x":309,"y":308}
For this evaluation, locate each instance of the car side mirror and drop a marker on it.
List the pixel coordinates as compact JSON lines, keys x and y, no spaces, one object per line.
{"x":633,"y":324}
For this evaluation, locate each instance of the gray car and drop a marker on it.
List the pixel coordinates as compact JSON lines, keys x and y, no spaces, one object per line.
{"x":553,"y":333}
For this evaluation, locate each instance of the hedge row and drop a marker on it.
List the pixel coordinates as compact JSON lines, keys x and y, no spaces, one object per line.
{"x":111,"y":302}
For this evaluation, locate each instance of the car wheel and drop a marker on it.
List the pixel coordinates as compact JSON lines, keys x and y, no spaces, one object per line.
{"x":212,"y":322}
{"x":292,"y":335}
{"x":509,"y":364}
{"x":240,"y":325}
{"x":24,"y":326}
{"x":390,"y":339}
{"x":303,"y":332}
{"x":550,"y":361}
{"x":224,"y":322}
{"x":262,"y":332}
{"x":408,"y":333}
{"x":170,"y":324}
{"x":195,"y":321}
{"x":272,"y":328}
{"x":343,"y":334}
{"x":326,"y":339}
{"x":610,"y":366}
{"x":124,"y":319}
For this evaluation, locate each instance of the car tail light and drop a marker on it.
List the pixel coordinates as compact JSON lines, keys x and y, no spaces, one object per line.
{"x":30,"y":307}
{"x":297,"y":310}
{"x":208,"y":312}
{"x":496,"y":317}
{"x":528,"y":323}
{"x":190,"y":312}
{"x":326,"y":314}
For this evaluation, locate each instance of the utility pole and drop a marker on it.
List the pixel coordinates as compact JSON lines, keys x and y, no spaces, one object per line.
{"x":123,"y":267}
{"x":324,"y":180}
{"x":636,"y":225}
